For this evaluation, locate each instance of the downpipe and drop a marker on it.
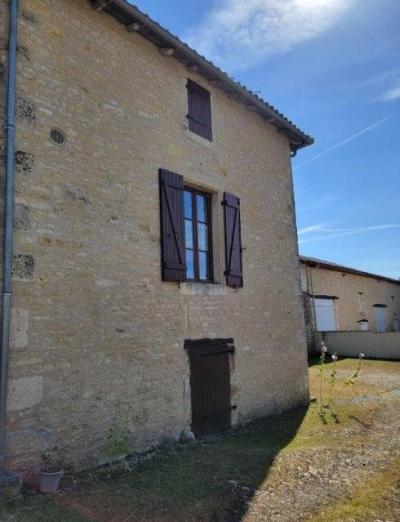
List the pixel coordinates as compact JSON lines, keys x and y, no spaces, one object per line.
{"x":8,"y":225}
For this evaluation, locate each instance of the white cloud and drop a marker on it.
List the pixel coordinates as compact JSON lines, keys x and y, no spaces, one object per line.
{"x":239,"y":33}
{"x":393,"y":93}
{"x":330,"y":233}
{"x":345,"y":141}
{"x":311,"y":228}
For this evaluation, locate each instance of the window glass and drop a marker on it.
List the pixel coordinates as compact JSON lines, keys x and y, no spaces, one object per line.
{"x":201,"y":208}
{"x":202,"y":231}
{"x":203,"y":265}
{"x":197,"y":237}
{"x":189,"y":233}
{"x":189,"y":264}
{"x":188,"y":204}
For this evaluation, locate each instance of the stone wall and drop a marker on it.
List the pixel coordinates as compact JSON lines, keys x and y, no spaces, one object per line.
{"x":372,"y":344}
{"x":356,"y":296}
{"x":97,"y":337}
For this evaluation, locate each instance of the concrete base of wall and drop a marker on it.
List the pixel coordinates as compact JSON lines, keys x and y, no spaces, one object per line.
{"x":373,"y":345}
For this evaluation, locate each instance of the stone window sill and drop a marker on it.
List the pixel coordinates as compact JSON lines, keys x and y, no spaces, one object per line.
{"x":198,"y":139}
{"x":202,"y":289}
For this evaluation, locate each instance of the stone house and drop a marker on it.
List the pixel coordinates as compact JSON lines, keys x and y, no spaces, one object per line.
{"x":339,"y":298}
{"x":155,"y":283}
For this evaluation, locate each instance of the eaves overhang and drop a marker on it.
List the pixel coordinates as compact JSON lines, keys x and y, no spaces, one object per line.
{"x":170,"y":45}
{"x":313,"y":262}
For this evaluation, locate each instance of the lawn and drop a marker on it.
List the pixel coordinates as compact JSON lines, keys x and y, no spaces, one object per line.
{"x":299,"y":466}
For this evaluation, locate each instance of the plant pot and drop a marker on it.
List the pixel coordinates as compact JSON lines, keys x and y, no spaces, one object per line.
{"x":49,"y":482}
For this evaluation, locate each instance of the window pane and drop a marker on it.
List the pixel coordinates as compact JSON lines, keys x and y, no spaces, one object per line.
{"x":188,"y":204}
{"x":203,"y":265}
{"x":202,"y":231}
{"x":189,"y":264}
{"x":188,"y":233}
{"x":201,"y":208}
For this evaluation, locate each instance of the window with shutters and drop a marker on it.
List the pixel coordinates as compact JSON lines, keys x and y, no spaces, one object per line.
{"x":199,"y":114}
{"x":186,"y":233}
{"x":197,"y":215}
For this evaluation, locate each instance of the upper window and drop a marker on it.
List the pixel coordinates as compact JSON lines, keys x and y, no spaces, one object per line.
{"x":199,"y":114}
{"x":197,"y":235}
{"x":185,"y":227}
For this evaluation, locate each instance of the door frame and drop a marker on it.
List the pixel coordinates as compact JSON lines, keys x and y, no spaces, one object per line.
{"x":321,"y":299}
{"x":379,"y":310}
{"x":201,"y":347}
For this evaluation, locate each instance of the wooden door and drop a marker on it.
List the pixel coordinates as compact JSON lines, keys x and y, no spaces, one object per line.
{"x":210,"y":385}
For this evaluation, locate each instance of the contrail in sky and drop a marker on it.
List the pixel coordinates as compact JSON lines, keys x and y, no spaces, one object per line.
{"x":341,"y":143}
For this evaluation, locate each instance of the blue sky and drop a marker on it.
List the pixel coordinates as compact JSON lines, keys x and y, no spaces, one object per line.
{"x":333,"y":67}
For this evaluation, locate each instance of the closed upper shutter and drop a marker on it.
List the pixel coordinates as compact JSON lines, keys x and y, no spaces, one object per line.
{"x":233,"y":241}
{"x":199,"y":115}
{"x":172,"y":227}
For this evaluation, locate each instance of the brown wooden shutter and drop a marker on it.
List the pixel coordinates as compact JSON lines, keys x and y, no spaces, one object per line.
{"x":173,"y":264}
{"x":233,"y":241}
{"x":199,"y":115}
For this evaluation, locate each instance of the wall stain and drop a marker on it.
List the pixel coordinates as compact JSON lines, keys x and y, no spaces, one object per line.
{"x":24,"y":266}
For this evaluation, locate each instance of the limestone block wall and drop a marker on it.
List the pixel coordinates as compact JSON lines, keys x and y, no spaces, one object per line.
{"x":97,"y":337}
{"x":356,"y":296}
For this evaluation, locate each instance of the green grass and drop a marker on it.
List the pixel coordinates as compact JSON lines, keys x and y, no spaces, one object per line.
{"x":38,"y":510}
{"x":175,"y":483}
{"x":181,"y":483}
{"x":184,"y":483}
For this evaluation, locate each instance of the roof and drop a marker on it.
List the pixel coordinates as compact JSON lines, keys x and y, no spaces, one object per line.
{"x":170,"y":45}
{"x":328,"y":265}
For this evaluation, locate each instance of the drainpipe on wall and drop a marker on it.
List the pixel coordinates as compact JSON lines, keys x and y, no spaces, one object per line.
{"x":7,"y":481}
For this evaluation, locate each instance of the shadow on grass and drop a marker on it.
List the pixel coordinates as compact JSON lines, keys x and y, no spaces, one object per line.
{"x":364,"y":424}
{"x":210,"y":481}
{"x":326,"y":413}
{"x":313,"y":360}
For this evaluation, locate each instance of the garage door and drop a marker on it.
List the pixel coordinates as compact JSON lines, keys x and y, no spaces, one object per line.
{"x":325,"y":314}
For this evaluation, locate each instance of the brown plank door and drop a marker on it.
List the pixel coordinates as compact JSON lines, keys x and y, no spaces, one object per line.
{"x":210,"y":385}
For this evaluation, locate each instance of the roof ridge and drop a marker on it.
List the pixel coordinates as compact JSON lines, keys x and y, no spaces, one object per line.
{"x":346,"y":268}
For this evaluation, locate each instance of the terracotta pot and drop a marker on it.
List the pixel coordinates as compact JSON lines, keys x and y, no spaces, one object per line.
{"x":49,"y":482}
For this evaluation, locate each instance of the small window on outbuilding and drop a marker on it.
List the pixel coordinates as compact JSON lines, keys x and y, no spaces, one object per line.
{"x":199,"y":114}
{"x":363,"y":325}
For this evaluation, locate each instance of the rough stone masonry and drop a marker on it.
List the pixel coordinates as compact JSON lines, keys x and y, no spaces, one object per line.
{"x":97,"y":337}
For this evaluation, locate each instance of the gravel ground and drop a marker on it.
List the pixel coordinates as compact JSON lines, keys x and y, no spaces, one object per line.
{"x":304,"y":482}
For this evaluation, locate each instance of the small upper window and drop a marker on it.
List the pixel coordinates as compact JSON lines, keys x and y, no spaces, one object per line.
{"x":199,"y":114}
{"x":197,"y":235}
